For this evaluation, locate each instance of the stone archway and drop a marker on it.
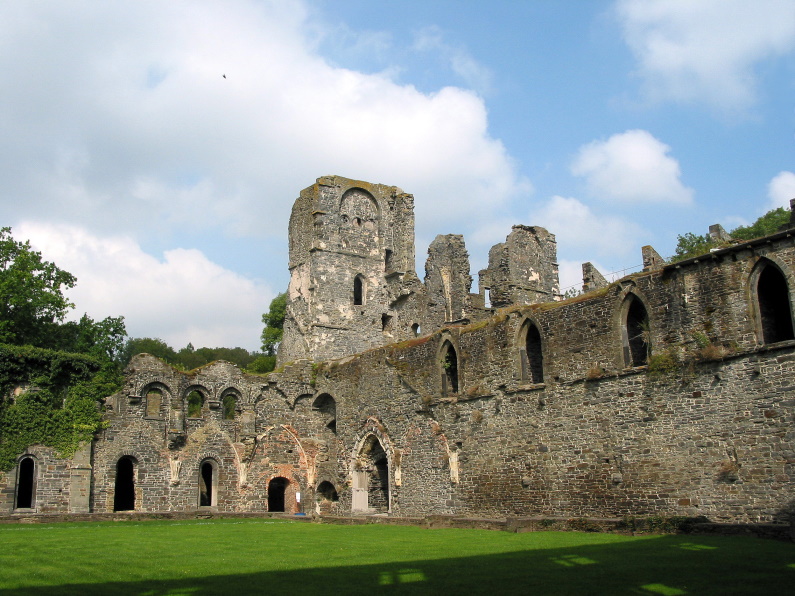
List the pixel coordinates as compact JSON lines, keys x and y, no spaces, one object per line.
{"x":371,"y":478}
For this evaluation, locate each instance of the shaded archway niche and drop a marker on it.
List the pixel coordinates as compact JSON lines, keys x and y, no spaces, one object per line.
{"x":26,"y":483}
{"x":276,"y":490}
{"x":208,"y":483}
{"x":449,"y":363}
{"x":635,"y":331}
{"x":531,"y":358}
{"x":326,"y":495}
{"x":371,"y":478}
{"x":124,"y":486}
{"x":325,"y":405}
{"x":358,"y":290}
{"x":772,"y":298}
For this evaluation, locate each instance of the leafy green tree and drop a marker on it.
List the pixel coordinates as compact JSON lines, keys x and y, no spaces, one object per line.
{"x":31,"y":293}
{"x":148,"y":345}
{"x":263,"y":364}
{"x":691,"y":245}
{"x":274,"y":324}
{"x":103,"y":339}
{"x":768,"y":224}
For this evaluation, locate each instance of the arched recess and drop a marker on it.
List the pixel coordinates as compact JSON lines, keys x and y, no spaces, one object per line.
{"x":326,"y":406}
{"x":635,"y":331}
{"x":196,"y":398}
{"x":154,"y":401}
{"x":208,"y":483}
{"x":124,"y":484}
{"x":326,"y":496}
{"x":371,"y":477}
{"x":359,"y":290}
{"x":531,"y":353}
{"x":230,"y":401}
{"x":25,"y":497}
{"x":448,"y":364}
{"x":276,"y":491}
{"x":770,"y":295}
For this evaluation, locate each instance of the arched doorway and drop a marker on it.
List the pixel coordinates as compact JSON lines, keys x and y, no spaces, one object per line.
{"x":371,"y":478}
{"x":124,"y":493}
{"x":775,"y":314}
{"x":276,"y":489}
{"x":26,"y":478}
{"x":207,"y":484}
{"x":635,"y":332}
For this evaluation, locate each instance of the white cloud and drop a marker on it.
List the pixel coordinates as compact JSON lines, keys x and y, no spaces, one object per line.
{"x":781,"y":189}
{"x":180,"y":298}
{"x":705,"y":51}
{"x":577,"y":227}
{"x":460,"y":61}
{"x":632,"y":167}
{"x":117,"y":116}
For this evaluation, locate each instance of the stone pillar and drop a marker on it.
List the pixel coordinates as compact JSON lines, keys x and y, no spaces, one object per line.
{"x":80,"y":481}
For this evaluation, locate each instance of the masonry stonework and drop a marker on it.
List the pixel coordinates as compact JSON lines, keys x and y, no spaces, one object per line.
{"x":666,"y":392}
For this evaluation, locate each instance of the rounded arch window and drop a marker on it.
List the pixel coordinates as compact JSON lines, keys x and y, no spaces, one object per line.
{"x":358,"y":290}
{"x":195,"y":403}
{"x":449,"y":364}
{"x":530,"y":354}
{"x":772,"y":298}
{"x":635,"y":332}
{"x":26,"y":483}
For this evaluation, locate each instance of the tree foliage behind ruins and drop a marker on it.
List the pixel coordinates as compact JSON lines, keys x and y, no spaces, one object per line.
{"x":691,"y":245}
{"x":53,"y":373}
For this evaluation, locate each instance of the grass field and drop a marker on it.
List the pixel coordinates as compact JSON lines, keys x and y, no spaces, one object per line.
{"x":187,"y":558}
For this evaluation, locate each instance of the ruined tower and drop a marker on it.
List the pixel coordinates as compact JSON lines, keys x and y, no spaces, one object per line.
{"x":523,"y":269}
{"x":351,"y":262}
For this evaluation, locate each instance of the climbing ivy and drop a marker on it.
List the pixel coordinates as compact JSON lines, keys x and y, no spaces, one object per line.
{"x":58,"y":401}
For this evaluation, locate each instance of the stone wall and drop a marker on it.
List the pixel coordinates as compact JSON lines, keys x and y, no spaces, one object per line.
{"x":668,"y":392}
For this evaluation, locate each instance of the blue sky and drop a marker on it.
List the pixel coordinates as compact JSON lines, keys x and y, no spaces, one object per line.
{"x":165,"y":188}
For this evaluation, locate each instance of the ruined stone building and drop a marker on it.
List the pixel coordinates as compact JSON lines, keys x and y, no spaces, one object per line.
{"x":667,"y":392}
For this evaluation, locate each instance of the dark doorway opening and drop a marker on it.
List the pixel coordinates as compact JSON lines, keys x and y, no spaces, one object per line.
{"x":449,"y":370}
{"x":637,"y":326}
{"x":358,"y":290}
{"x":774,"y":306}
{"x":532,"y":357}
{"x":25,"y":479}
{"x":206,"y":485}
{"x":276,"y":489}
{"x":124,"y":495}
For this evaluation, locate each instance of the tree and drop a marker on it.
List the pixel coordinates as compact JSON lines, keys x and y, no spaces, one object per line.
{"x":103,"y":339}
{"x":148,"y":345}
{"x":768,"y":224}
{"x":691,"y":245}
{"x":274,"y":324}
{"x":31,"y":293}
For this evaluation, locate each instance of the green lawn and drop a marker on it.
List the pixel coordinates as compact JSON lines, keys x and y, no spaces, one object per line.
{"x":281,"y":557}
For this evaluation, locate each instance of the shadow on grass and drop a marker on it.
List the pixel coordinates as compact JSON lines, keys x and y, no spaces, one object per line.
{"x":665,"y":565}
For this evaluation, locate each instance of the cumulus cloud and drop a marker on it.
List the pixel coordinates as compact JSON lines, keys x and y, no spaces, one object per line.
{"x":182,"y":297}
{"x":632,"y":167}
{"x":577,"y":227}
{"x":705,"y":51}
{"x":781,"y":189}
{"x":474,"y":74}
{"x":117,"y":116}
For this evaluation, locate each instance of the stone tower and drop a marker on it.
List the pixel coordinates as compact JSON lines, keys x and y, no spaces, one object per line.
{"x":523,"y":269}
{"x":351,"y":262}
